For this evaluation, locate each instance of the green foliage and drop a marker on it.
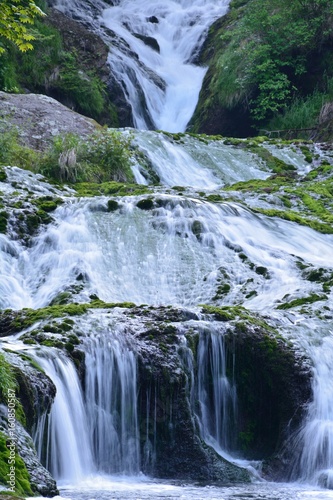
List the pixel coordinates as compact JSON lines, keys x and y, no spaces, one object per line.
{"x":7,"y":378}
{"x":60,"y":161}
{"x":22,"y":479}
{"x":13,"y":153}
{"x":8,"y":76}
{"x":38,"y":68}
{"x":303,"y":112}
{"x":110,"y":151}
{"x":85,"y":89}
{"x":267,"y":55}
{"x":15,"y":18}
{"x":104,"y":156}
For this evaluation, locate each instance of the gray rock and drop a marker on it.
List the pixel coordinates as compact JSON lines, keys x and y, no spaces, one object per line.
{"x":39,"y":118}
{"x":41,"y":480}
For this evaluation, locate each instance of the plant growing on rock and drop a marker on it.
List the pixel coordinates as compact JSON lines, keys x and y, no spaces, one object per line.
{"x":104,"y":156}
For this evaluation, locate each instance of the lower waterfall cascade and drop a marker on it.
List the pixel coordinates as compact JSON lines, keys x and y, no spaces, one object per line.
{"x":130,"y":310}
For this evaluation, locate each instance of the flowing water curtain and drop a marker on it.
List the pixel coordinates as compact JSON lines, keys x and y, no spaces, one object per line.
{"x":62,"y":439}
{"x":99,"y":427}
{"x":111,"y":402}
{"x":216,"y":392}
{"x":313,"y":444}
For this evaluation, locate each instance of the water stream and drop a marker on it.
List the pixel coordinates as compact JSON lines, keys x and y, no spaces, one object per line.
{"x":153,"y":46}
{"x":178,"y":253}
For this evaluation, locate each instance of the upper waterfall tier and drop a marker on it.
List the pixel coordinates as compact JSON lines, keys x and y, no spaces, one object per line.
{"x":153,"y":46}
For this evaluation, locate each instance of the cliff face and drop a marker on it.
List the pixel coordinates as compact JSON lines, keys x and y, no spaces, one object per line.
{"x":264,"y":72}
{"x":171,"y":418}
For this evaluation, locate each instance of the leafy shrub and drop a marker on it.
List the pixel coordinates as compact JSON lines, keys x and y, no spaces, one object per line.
{"x":107,"y":155}
{"x":13,"y":153}
{"x":103,"y":156}
{"x":84,"y":89}
{"x":60,"y":162}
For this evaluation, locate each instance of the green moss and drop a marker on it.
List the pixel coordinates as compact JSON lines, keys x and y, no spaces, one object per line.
{"x":22,"y":478}
{"x":302,"y":300}
{"x":274,"y":164}
{"x":32,"y":362}
{"x":225,"y":313}
{"x":47,"y":203}
{"x":222,"y":290}
{"x":295,"y":217}
{"x":109,"y":188}
{"x":3,"y":175}
{"x":7,"y":379}
{"x":15,"y":321}
{"x":3,"y":221}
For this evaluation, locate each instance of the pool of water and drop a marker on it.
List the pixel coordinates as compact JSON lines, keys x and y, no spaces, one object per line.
{"x":106,"y":488}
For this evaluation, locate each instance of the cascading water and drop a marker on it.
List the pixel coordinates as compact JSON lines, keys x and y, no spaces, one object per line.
{"x":111,"y":401}
{"x":182,"y":251}
{"x":68,"y":450}
{"x":153,"y":49}
{"x":216,"y":392}
{"x":97,"y":431}
{"x":313,"y":444}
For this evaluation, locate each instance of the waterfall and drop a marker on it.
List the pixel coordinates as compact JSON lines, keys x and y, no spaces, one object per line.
{"x":205,"y":166}
{"x":313,"y":444}
{"x":183,"y":250}
{"x":216,"y":392}
{"x":68,"y":453}
{"x":97,"y":430}
{"x":111,"y":402}
{"x":153,"y":46}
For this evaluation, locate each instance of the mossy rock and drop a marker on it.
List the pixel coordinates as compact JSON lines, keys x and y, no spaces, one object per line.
{"x":22,"y":478}
{"x":3,"y":175}
{"x":145,"y":204}
{"x":3,"y":221}
{"x":301,"y":301}
{"x":113,"y":205}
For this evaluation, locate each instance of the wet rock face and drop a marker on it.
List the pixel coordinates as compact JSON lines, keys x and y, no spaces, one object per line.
{"x":273,"y":384}
{"x":92,"y":55}
{"x":170,"y":443}
{"x":41,"y":481}
{"x":273,"y":388}
{"x":39,"y":118}
{"x":36,"y":390}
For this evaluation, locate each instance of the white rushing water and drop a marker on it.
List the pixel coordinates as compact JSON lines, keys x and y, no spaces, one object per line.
{"x":183,"y":251}
{"x":178,"y":253}
{"x":218,"y":411}
{"x":69,"y":455}
{"x":153,"y":46}
{"x":97,"y":430}
{"x":204,"y":165}
{"x":177,"y":29}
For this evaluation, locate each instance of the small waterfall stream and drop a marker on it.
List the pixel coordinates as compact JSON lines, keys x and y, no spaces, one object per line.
{"x":96,"y":430}
{"x":68,"y":453}
{"x":111,"y":403}
{"x":217,"y":394}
